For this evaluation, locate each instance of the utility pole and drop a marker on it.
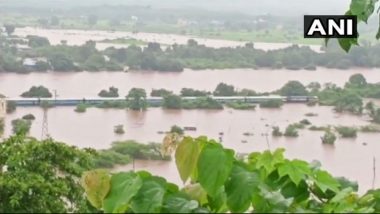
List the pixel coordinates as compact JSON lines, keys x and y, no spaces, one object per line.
{"x":45,"y":124}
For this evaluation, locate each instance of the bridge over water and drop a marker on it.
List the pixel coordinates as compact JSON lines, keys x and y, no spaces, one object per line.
{"x":153,"y":100}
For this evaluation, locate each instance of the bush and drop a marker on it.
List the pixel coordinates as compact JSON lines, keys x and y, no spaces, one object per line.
{"x":328,"y":138}
{"x":119,"y":129}
{"x":81,"y":108}
{"x":271,"y":103}
{"x":276,"y":132}
{"x":29,"y":117}
{"x":370,"y":128}
{"x":305,"y":122}
{"x":291,"y":131}
{"x":347,"y":132}
{"x":241,"y":105}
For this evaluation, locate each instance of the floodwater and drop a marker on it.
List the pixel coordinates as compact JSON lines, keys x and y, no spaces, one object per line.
{"x":88,"y":84}
{"x":349,"y":157}
{"x":79,"y":37}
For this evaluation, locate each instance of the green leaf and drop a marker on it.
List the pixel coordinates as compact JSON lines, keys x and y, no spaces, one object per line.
{"x":295,"y":169}
{"x":269,"y":160}
{"x":186,"y":157}
{"x":150,"y":197}
{"x":270,"y":202}
{"x":363,"y":9}
{"x":178,"y":203}
{"x":299,"y":193}
{"x":240,"y":189}
{"x":346,"y":43}
{"x":97,"y":185}
{"x":124,"y":186}
{"x":326,"y":182}
{"x":218,"y":203}
{"x":196,"y":192}
{"x":214,"y":167}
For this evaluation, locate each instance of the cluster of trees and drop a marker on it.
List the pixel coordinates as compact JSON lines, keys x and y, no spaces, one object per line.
{"x":177,"y":57}
{"x":176,"y":102}
{"x":112,"y":92}
{"x":37,"y":91}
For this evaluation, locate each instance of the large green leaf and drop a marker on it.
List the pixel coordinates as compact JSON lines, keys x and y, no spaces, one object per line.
{"x":97,"y":185}
{"x":296,"y":170}
{"x":240,"y":189}
{"x":299,"y":193}
{"x":325,"y":181}
{"x":346,"y":43}
{"x":124,"y":186}
{"x":214,"y":167}
{"x":268,"y":160}
{"x":150,"y":197}
{"x":363,"y":9}
{"x":179,"y":203}
{"x":186,"y":157}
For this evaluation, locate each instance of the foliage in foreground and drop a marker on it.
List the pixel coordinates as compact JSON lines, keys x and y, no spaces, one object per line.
{"x":41,"y":176}
{"x":216,"y":181}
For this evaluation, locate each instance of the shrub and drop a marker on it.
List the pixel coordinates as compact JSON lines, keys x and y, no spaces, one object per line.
{"x":346,"y":132}
{"x":276,"y":132}
{"x":271,"y":104}
{"x":328,"y":138}
{"x":29,"y":117}
{"x":119,"y":129}
{"x":305,"y":122}
{"x":291,"y":131}
{"x":81,"y":108}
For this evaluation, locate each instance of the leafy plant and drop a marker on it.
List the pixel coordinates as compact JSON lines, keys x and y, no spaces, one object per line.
{"x":216,"y":181}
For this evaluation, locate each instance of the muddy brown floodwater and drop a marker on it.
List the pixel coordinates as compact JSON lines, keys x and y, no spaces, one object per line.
{"x":88,"y":84}
{"x":349,"y":157}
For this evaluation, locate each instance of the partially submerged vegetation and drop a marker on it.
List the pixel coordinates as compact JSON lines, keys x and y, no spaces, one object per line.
{"x":124,"y":152}
{"x":37,"y":91}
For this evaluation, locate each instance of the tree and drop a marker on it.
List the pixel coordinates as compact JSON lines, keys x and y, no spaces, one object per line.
{"x":293,"y":88}
{"x":160,"y":92}
{"x":41,"y":176}
{"x":10,"y":29}
{"x":37,"y":41}
{"x":223,"y":89}
{"x":21,"y":126}
{"x":137,"y":99}
{"x":112,"y":92}
{"x":349,"y":101}
{"x":357,"y":80}
{"x":172,"y":102}
{"x":37,"y":91}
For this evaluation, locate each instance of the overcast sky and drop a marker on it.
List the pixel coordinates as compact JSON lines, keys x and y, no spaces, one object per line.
{"x":286,"y":7}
